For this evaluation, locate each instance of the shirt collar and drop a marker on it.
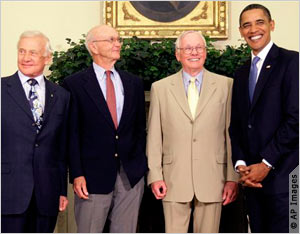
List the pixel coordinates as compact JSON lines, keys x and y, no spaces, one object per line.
{"x":263,"y":54}
{"x":101,"y":71}
{"x":187,"y":77}
{"x":39,"y":79}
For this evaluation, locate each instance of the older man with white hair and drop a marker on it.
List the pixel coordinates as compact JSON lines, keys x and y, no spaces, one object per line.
{"x":188,"y":146}
{"x":107,"y":138}
{"x":34,"y":112}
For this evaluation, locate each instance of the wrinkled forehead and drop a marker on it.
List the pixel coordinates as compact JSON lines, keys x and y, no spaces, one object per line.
{"x":192,"y":38}
{"x":106,"y":32}
{"x":35,"y":42}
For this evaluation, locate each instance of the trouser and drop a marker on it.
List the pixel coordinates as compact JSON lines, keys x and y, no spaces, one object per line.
{"x":30,"y":221}
{"x":121,"y":207}
{"x":206,"y":216}
{"x":267,"y":212}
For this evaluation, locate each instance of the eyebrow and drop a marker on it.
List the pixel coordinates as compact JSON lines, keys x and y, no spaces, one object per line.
{"x":256,"y":21}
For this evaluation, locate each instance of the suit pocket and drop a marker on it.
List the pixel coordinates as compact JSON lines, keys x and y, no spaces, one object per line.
{"x":167,"y":159}
{"x":221,"y":158}
{"x":5,"y":168}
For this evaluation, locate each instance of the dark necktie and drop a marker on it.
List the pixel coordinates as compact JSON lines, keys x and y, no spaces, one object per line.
{"x":35,"y":104}
{"x":252,"y":77}
{"x":111,"y":98}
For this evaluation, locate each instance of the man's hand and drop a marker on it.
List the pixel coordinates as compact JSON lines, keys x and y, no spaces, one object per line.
{"x":230,"y":192}
{"x":79,"y":187}
{"x":63,"y":203}
{"x":243,"y":170}
{"x":159,"y":189}
{"x":257,"y":173}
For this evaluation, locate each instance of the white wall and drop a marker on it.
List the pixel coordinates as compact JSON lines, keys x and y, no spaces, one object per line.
{"x":70,"y":19}
{"x":57,"y":19}
{"x":285,"y":15}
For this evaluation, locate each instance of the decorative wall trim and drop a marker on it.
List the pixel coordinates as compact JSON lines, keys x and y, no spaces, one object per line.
{"x":145,"y":20}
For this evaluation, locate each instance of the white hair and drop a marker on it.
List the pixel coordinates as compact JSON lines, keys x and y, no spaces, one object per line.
{"x":182,"y":35}
{"x":48,"y":49}
{"x":89,"y":38}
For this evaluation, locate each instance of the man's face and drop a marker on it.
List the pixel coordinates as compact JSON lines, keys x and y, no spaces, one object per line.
{"x":105,"y":45}
{"x":256,"y":29}
{"x":31,"y":56}
{"x":192,"y":53}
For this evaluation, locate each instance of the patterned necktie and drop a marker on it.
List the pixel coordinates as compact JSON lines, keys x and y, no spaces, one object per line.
{"x":35,"y":104}
{"x":111,"y":98}
{"x":252,"y":77}
{"x":193,"y":96}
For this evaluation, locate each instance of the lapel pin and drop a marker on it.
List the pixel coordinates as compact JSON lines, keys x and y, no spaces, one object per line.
{"x":268,"y":66}
{"x":52,"y":95}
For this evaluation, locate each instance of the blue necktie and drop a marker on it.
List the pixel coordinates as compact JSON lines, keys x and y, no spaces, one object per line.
{"x":35,"y":104}
{"x":252,"y":77}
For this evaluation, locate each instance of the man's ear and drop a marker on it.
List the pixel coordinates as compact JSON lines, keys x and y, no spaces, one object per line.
{"x":240,"y":29}
{"x":48,"y":59}
{"x":177,"y":55}
{"x":272,"y":23}
{"x":93,"y":48}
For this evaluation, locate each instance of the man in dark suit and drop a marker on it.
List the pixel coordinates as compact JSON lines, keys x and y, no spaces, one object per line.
{"x":107,"y":138}
{"x":33,"y":161}
{"x":265,"y":121}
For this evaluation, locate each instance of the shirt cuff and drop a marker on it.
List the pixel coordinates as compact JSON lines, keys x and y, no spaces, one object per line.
{"x":239,"y":163}
{"x":268,"y":164}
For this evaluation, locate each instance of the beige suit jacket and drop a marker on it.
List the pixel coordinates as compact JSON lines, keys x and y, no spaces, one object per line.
{"x":193,"y":157}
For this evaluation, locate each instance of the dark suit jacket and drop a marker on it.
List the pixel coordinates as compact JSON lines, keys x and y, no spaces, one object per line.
{"x":268,"y":128}
{"x":30,"y":161}
{"x":94,"y":141}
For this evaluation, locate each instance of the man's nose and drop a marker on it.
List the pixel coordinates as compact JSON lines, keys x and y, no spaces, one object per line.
{"x":26,"y":57}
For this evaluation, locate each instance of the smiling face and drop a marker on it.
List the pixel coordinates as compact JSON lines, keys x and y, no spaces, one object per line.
{"x":32,"y":56}
{"x":191,"y":63}
{"x":256,"y":29}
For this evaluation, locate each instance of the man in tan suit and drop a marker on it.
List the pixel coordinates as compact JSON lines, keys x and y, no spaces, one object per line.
{"x":188,"y":146}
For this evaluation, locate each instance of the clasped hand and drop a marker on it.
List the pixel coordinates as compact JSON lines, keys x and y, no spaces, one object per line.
{"x":253,"y":175}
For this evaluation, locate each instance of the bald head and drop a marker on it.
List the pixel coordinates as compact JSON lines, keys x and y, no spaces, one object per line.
{"x":95,"y":32}
{"x":104,"y":45}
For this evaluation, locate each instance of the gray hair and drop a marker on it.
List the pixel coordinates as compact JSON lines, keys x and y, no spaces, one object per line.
{"x":182,"y":35}
{"x":48,"y":49}
{"x":88,"y":39}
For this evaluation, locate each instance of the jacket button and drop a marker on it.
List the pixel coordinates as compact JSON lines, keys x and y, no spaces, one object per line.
{"x":194,"y":140}
{"x":116,"y":155}
{"x":36,"y":145}
{"x":117,"y":137}
{"x":249,"y":126}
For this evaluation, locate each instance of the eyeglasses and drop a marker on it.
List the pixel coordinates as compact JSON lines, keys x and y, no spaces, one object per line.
{"x":111,"y":40}
{"x":189,"y":50}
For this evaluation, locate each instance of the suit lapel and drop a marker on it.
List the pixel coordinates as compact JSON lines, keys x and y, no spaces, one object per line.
{"x":244,"y":80}
{"x":16,"y":91}
{"x":128,"y":95}
{"x":268,"y":66}
{"x":50,"y":99}
{"x":208,"y":87}
{"x":94,"y":91}
{"x":178,"y":91}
